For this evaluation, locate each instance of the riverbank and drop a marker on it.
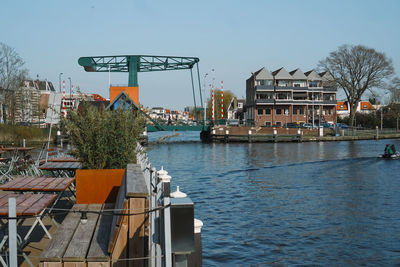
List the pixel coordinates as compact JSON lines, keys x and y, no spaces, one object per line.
{"x":261,"y":134}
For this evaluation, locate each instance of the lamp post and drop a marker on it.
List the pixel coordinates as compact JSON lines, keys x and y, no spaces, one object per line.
{"x":59,"y":80}
{"x":204,"y":93}
{"x":70,"y":95}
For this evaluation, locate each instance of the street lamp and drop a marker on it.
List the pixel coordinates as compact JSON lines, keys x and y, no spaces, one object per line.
{"x":59,"y":80}
{"x":70,"y":95}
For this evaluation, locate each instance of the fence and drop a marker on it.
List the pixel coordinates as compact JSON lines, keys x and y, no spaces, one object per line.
{"x":174,"y":234}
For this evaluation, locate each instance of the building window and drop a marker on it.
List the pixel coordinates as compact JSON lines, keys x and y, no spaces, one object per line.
{"x":240,"y":105}
{"x":286,"y":112}
{"x":260,"y":111}
{"x":301,"y":111}
{"x":268,"y":111}
{"x":313,"y":84}
{"x":365,"y":106}
{"x":278,"y":123}
{"x":268,"y":124}
{"x":278,"y":111}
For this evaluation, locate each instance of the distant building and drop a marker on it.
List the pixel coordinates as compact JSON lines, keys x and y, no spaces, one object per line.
{"x":279,"y":97}
{"x":236,"y":108}
{"x":343,"y":108}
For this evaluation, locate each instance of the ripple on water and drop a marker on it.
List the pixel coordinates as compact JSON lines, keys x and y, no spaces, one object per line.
{"x":307,"y":204}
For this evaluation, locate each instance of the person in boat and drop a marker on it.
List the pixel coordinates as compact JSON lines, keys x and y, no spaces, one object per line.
{"x":388,"y":151}
{"x":393,"y":149}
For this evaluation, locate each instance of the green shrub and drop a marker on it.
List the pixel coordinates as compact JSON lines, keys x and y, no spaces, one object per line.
{"x":103,"y":139}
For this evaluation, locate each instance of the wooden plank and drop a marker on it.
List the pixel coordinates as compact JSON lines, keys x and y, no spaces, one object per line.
{"x":11,"y":183}
{"x":118,"y":205}
{"x":80,"y":242}
{"x":135,"y":182}
{"x":28,"y":203}
{"x":137,"y":227}
{"x":114,"y":229}
{"x":18,"y":199}
{"x":52,"y":264}
{"x":120,"y":247}
{"x":43,"y":184}
{"x":98,"y":264}
{"x":99,"y":246}
{"x":74,"y":264}
{"x":32,"y":184}
{"x":65,"y":183}
{"x":24,"y":181}
{"x":59,"y":243}
{"x":43,"y":203}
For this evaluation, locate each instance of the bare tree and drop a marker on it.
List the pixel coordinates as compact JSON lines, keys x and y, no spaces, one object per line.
{"x":357,"y":69}
{"x":394,"y":90}
{"x":12,"y":72}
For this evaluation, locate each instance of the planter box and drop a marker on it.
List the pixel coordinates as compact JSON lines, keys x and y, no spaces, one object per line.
{"x":98,"y":186}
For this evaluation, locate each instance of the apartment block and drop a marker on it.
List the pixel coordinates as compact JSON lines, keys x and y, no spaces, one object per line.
{"x":280,"y":97}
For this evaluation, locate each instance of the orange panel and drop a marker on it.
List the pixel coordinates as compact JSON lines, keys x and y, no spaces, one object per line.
{"x":98,"y":186}
{"x":132,"y":92}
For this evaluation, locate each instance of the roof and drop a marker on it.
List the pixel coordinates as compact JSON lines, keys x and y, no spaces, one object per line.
{"x":341,"y":105}
{"x":124,"y":97}
{"x":263,"y":74}
{"x":297,"y":74}
{"x":282,"y":74}
{"x":326,"y":76}
{"x":312,"y":75}
{"x":366,"y":105}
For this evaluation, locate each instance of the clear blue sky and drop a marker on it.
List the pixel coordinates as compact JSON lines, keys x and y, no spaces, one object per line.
{"x":233,"y":37}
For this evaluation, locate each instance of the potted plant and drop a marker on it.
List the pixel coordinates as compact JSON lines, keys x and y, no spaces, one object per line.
{"x":104,"y":141}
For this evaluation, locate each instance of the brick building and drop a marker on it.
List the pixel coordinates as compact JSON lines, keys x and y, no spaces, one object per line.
{"x":280,"y":97}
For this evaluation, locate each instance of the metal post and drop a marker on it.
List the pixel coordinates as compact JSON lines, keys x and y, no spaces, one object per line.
{"x":381,"y":118}
{"x":12,"y":232}
{"x":59,"y":80}
{"x":312,"y":96}
{"x":198,"y":78}
{"x":194,"y":95}
{"x":205,"y":104}
{"x":167,"y":234}
{"x":70,"y":95}
{"x":133,"y":66}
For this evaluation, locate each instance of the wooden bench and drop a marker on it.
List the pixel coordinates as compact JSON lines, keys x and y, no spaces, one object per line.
{"x":106,"y":239}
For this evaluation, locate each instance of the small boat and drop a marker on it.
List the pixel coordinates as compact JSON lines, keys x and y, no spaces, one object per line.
{"x":393,"y":156}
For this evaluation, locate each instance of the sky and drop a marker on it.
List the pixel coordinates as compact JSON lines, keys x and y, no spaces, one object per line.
{"x":233,"y":38}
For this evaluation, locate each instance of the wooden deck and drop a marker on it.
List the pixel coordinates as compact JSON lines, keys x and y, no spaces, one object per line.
{"x":107,"y":238}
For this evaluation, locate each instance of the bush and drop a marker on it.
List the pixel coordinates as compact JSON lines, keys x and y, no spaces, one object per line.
{"x":103,"y":139}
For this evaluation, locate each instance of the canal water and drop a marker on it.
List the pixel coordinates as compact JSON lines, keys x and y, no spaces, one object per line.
{"x":280,"y":204}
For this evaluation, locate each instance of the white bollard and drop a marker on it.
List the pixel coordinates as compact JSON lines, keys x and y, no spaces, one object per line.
{"x":178,"y":194}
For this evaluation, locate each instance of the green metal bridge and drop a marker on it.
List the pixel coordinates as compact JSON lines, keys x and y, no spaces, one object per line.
{"x":133,"y":64}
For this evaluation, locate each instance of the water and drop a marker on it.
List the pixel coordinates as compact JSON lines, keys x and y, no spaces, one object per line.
{"x":325,"y":204}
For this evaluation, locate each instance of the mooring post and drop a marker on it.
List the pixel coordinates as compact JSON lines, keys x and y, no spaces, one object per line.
{"x":12,"y":232}
{"x":249,"y":136}
{"x":275,"y":136}
{"x":299,"y":135}
{"x":226,"y":136}
{"x":195,"y":258}
{"x":377,"y":133}
{"x":165,"y":179}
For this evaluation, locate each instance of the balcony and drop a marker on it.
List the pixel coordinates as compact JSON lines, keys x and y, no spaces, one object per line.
{"x":264,"y":101}
{"x":329,"y":102}
{"x":301,"y":88}
{"x":285,"y":88}
{"x":264,"y":87}
{"x":283,"y":101}
{"x":329,"y":90}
